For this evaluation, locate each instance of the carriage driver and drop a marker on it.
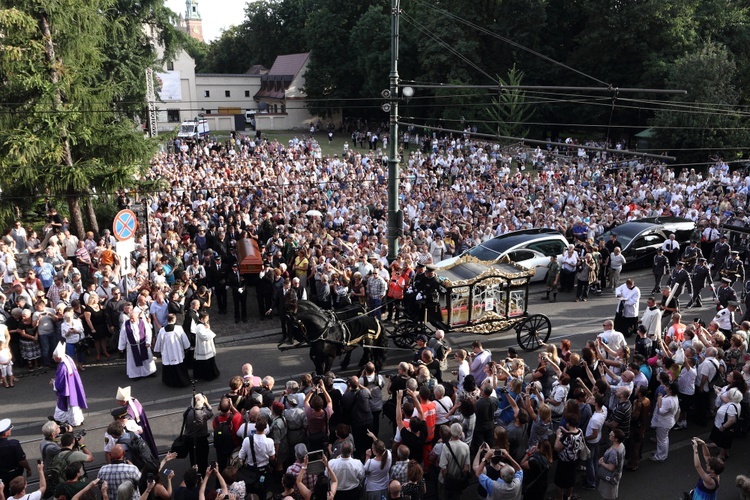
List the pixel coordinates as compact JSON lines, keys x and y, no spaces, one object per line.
{"x":427,"y":294}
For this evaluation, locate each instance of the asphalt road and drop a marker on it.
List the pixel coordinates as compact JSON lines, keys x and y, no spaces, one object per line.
{"x":29,"y":403}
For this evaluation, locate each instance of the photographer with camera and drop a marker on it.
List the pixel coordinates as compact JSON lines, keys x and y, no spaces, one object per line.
{"x":73,"y":451}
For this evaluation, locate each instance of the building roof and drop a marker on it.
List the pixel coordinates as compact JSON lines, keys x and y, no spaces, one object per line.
{"x":257,"y":69}
{"x":289,"y":64}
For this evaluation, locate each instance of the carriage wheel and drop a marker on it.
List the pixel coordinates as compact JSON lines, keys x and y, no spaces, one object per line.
{"x":405,"y":334}
{"x":532,"y":331}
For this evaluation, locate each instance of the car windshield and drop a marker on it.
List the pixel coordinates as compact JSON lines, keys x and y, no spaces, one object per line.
{"x":187,"y":129}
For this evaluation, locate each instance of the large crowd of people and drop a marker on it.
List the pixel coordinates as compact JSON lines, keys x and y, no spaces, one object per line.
{"x":319,"y":221}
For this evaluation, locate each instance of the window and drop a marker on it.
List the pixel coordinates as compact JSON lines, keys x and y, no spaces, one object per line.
{"x":247,"y":93}
{"x":521,"y":255}
{"x":206,"y":93}
{"x":207,"y":112}
{"x":549,"y":247}
{"x":170,"y":66}
{"x":173,"y":116}
{"x":227,"y":93}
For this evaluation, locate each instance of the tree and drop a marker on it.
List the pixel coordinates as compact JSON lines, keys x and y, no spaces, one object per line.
{"x":510,"y":110}
{"x":71,"y":95}
{"x":708,"y":116}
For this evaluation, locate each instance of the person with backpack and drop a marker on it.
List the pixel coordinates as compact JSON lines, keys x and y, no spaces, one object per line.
{"x":225,"y":426}
{"x":72,"y":451}
{"x":278,"y":432}
{"x":296,"y":421}
{"x":137,"y":451}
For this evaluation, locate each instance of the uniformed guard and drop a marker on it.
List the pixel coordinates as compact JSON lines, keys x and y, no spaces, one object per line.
{"x":725,"y":293}
{"x":691,"y":255}
{"x":660,"y":268}
{"x":733,"y":268}
{"x":410,"y":297}
{"x":427,"y":293}
{"x":552,"y":279}
{"x":725,"y":318}
{"x":681,"y":278}
{"x":701,"y":273}
{"x":720,"y":254}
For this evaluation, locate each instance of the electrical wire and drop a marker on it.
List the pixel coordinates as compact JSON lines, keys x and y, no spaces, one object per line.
{"x":509,"y":41}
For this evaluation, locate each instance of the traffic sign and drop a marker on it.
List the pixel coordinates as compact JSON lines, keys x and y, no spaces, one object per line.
{"x":124,"y":225}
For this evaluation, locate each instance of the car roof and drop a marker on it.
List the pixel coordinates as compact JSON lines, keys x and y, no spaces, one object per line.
{"x":507,"y":241}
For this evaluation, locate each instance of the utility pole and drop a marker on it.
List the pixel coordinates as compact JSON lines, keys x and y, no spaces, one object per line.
{"x":395,"y":219}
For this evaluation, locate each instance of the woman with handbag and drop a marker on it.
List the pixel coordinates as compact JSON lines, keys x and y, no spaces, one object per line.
{"x":609,"y":467}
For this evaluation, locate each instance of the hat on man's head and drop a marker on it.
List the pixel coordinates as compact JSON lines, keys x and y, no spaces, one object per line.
{"x":419,"y":264}
{"x":234,"y":264}
{"x":5,"y":425}
{"x":278,"y":406}
{"x":726,"y":280}
{"x":430,"y":267}
{"x":119,"y":412}
{"x":422,"y":338}
{"x":734,"y":252}
{"x":680,"y":263}
{"x":733,"y":303}
{"x":123,"y":394}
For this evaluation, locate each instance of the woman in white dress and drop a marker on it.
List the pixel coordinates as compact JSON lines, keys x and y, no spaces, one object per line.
{"x":135,"y":340}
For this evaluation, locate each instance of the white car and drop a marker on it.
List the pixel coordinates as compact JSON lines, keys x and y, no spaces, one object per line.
{"x":531,"y":248}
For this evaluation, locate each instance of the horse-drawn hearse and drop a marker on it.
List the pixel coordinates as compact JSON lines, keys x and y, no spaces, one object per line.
{"x":474,"y":297}
{"x":483,"y":298}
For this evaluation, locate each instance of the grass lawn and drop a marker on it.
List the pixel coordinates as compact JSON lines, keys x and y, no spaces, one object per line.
{"x":336,"y":146}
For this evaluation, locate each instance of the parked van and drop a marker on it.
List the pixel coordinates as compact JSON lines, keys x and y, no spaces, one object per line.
{"x":193,"y":130}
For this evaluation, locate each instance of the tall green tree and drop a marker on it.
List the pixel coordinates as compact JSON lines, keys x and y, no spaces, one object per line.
{"x":67,"y":126}
{"x":510,"y":111}
{"x":708,"y":116}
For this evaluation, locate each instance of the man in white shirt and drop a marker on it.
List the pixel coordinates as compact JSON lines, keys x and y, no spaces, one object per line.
{"x":593,"y":438}
{"x":349,"y":473}
{"x":262,"y":453}
{"x":463,"y":367}
{"x":611,"y":337}
{"x":629,"y":297}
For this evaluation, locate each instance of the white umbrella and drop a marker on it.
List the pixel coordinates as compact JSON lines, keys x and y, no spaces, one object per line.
{"x":313,"y":213}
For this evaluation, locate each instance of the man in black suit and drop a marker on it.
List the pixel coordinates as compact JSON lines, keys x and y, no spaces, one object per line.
{"x":217,"y":280}
{"x":239,"y":293}
{"x":191,"y":320}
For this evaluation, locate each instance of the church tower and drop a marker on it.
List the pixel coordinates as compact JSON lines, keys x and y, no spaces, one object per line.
{"x":193,"y":22}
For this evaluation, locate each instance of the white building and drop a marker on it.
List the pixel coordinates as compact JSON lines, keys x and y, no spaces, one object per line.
{"x":276,"y":96}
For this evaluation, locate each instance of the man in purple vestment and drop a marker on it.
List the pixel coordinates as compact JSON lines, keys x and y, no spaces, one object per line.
{"x":137,"y":413}
{"x":71,"y":398}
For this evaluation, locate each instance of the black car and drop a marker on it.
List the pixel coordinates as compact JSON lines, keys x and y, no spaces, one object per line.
{"x":640,"y":239}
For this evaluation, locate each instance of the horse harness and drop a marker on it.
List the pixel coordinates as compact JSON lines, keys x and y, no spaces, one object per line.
{"x":333,"y":320}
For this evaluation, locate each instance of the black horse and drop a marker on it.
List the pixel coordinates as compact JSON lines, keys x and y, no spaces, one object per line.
{"x":332,"y":333}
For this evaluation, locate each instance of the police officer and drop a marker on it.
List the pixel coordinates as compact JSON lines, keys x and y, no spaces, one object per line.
{"x":12,"y":457}
{"x":733,"y":268}
{"x":660,"y":268}
{"x":691,"y":255}
{"x":720,"y":254}
{"x":681,"y":278}
{"x":725,"y":293}
{"x":699,"y":276}
{"x":725,"y":318}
